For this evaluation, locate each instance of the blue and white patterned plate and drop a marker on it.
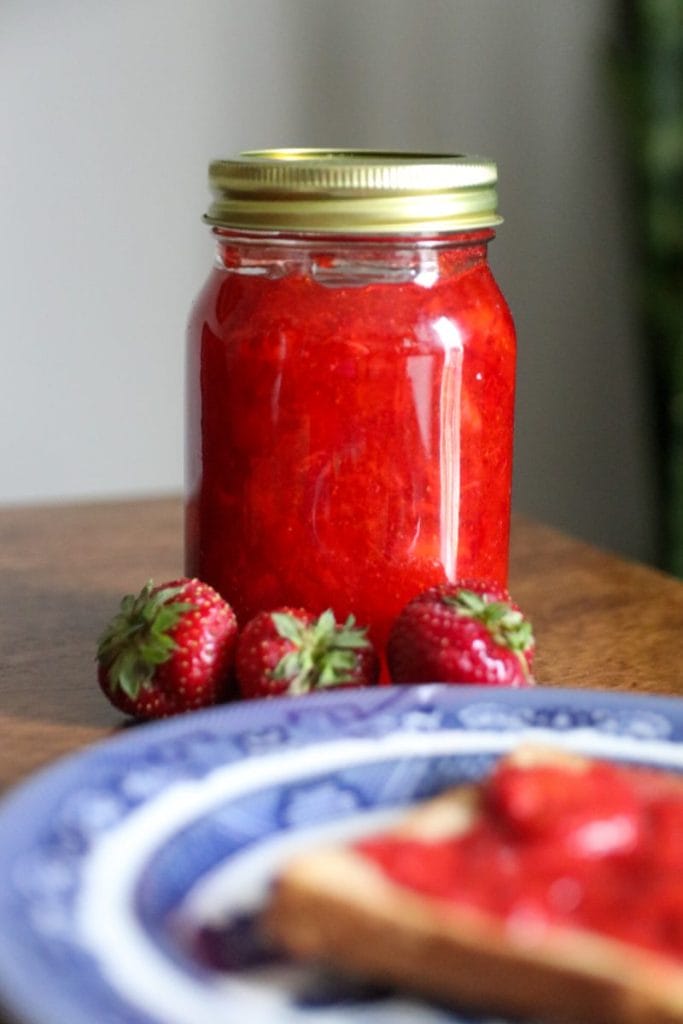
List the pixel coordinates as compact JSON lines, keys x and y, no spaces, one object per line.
{"x":131,"y":874}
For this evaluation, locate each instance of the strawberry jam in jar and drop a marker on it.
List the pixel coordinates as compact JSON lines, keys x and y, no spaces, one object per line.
{"x":350,"y":384}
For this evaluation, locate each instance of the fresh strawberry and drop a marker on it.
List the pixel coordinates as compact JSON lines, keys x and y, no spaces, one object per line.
{"x":170,"y":649}
{"x":467,"y":632}
{"x":291,"y":651}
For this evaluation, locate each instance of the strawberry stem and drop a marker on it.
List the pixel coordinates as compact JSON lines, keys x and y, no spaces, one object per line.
{"x":506,"y":624}
{"x":324,"y":654}
{"x":138,"y":639}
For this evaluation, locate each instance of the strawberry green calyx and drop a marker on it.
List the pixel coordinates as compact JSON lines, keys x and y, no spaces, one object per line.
{"x":138,"y":639}
{"x":325,"y":653}
{"x":507,"y":625}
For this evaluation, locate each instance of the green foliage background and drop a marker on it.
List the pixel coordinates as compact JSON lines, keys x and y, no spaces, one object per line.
{"x":648,"y":63}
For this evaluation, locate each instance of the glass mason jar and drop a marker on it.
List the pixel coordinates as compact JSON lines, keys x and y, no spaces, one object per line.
{"x":350,"y":384}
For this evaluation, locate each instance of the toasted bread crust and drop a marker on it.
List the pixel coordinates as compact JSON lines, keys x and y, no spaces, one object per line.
{"x":337,"y":906}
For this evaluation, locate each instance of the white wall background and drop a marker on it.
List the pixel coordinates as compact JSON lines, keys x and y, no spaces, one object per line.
{"x":109,"y":114}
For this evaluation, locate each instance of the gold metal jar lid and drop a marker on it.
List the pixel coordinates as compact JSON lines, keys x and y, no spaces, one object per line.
{"x":347,"y":191}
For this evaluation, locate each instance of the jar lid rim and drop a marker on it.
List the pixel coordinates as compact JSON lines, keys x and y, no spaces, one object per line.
{"x":353,"y":191}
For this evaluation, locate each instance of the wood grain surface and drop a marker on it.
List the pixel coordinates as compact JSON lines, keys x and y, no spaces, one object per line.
{"x":600,"y":621}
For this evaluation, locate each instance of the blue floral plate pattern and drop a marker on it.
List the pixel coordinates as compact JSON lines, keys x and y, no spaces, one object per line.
{"x":132,"y":875}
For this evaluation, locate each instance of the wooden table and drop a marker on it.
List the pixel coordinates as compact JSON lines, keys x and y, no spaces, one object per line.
{"x":600,"y":621}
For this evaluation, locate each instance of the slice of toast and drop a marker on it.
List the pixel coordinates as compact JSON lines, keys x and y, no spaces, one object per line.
{"x":340,"y":906}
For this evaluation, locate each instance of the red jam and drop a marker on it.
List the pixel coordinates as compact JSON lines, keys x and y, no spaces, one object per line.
{"x":600,"y":849}
{"x":350,"y":424}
